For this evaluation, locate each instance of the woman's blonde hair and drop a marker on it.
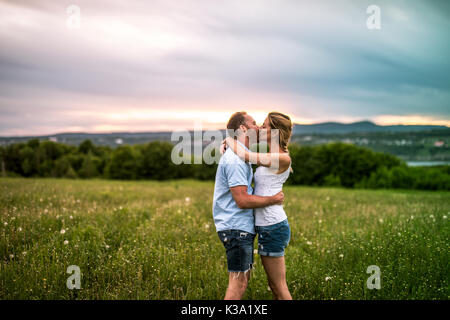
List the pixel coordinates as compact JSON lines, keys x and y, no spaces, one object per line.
{"x":283,"y":123}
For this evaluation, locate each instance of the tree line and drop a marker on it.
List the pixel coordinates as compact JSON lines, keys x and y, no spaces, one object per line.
{"x":333,"y":164}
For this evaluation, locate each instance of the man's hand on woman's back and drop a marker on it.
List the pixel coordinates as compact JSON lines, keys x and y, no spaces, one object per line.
{"x":278,"y":198}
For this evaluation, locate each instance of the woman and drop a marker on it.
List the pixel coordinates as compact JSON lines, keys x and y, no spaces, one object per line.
{"x":271,"y":222}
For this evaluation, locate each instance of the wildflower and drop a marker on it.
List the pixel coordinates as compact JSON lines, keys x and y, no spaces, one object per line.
{"x":320,"y":221}
{"x":445,"y":217}
{"x":66,"y":242}
{"x":19,"y":229}
{"x":187,"y":199}
{"x":327,"y":278}
{"x":106,"y":246}
{"x":341,"y":256}
{"x":380,"y":220}
{"x":71,"y":217}
{"x":308,"y":243}
{"x":11,"y":256}
{"x":328,"y":198}
{"x":6,"y":223}
{"x":206,"y":226}
{"x":63,"y":231}
{"x":24,"y":253}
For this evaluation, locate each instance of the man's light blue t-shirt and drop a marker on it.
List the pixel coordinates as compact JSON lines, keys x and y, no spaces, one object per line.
{"x":232,"y":172}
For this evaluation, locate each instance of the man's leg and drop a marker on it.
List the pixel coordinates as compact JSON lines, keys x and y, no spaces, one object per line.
{"x":237,"y":284}
{"x":239,"y":248}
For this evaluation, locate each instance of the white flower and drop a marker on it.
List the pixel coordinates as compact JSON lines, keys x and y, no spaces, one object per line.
{"x":308,"y":243}
{"x":328,"y":198}
{"x":341,"y":255}
{"x":24,"y":253}
{"x":187,"y":199}
{"x":412,"y":217}
{"x":19,"y":229}
{"x":445,"y":217}
{"x":106,"y":246}
{"x":6,"y":223}
{"x":320,"y":221}
{"x":327,"y":278}
{"x":71,"y":217}
{"x":66,"y":241}
{"x":381,"y":220}
{"x":62,"y":231}
{"x":11,"y":256}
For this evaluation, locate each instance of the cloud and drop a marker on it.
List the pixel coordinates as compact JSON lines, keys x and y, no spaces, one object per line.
{"x":316,"y":61}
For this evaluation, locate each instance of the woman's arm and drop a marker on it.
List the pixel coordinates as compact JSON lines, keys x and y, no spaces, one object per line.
{"x":278,"y":160}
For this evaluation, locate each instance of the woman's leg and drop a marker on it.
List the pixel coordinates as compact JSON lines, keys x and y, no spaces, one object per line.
{"x":276,"y":275}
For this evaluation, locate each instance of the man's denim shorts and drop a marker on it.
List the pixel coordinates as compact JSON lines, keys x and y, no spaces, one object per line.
{"x":273,"y":239}
{"x":239,"y":249}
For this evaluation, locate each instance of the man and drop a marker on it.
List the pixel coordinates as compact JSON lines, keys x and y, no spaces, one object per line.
{"x":233,"y":206}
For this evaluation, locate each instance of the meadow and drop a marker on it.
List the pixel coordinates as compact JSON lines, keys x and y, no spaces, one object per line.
{"x":157,"y":240}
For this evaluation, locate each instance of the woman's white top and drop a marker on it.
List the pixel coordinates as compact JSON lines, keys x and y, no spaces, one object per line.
{"x":269,"y":183}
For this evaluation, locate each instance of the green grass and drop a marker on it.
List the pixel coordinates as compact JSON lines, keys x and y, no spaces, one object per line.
{"x":156,"y":240}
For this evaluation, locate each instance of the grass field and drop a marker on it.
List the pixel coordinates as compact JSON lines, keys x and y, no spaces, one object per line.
{"x":156,"y":240}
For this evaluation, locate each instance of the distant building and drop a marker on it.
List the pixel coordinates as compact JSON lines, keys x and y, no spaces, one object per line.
{"x":439,"y":144}
{"x":53,"y":139}
{"x":119,"y":141}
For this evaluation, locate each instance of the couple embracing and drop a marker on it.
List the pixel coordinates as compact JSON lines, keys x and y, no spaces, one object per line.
{"x":240,"y":213}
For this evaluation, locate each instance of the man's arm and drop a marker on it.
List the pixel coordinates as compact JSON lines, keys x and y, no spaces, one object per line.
{"x":249,"y":201}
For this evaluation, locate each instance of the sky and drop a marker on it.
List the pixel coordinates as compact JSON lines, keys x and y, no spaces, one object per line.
{"x":165,"y":65}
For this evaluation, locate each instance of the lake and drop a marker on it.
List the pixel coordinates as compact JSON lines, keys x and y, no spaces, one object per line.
{"x":427,"y":163}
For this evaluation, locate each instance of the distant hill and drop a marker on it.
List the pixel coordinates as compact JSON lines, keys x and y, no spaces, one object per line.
{"x":119,"y":138}
{"x":361,"y":126}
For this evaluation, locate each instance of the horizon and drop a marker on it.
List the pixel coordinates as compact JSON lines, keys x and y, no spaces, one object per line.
{"x":203,"y":129}
{"x":105,"y":67}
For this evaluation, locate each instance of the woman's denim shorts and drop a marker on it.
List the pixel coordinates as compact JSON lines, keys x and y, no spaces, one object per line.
{"x":239,"y":247}
{"x":273,"y":239}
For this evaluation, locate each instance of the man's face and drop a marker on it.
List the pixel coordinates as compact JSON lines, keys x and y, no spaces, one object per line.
{"x":253,"y":128}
